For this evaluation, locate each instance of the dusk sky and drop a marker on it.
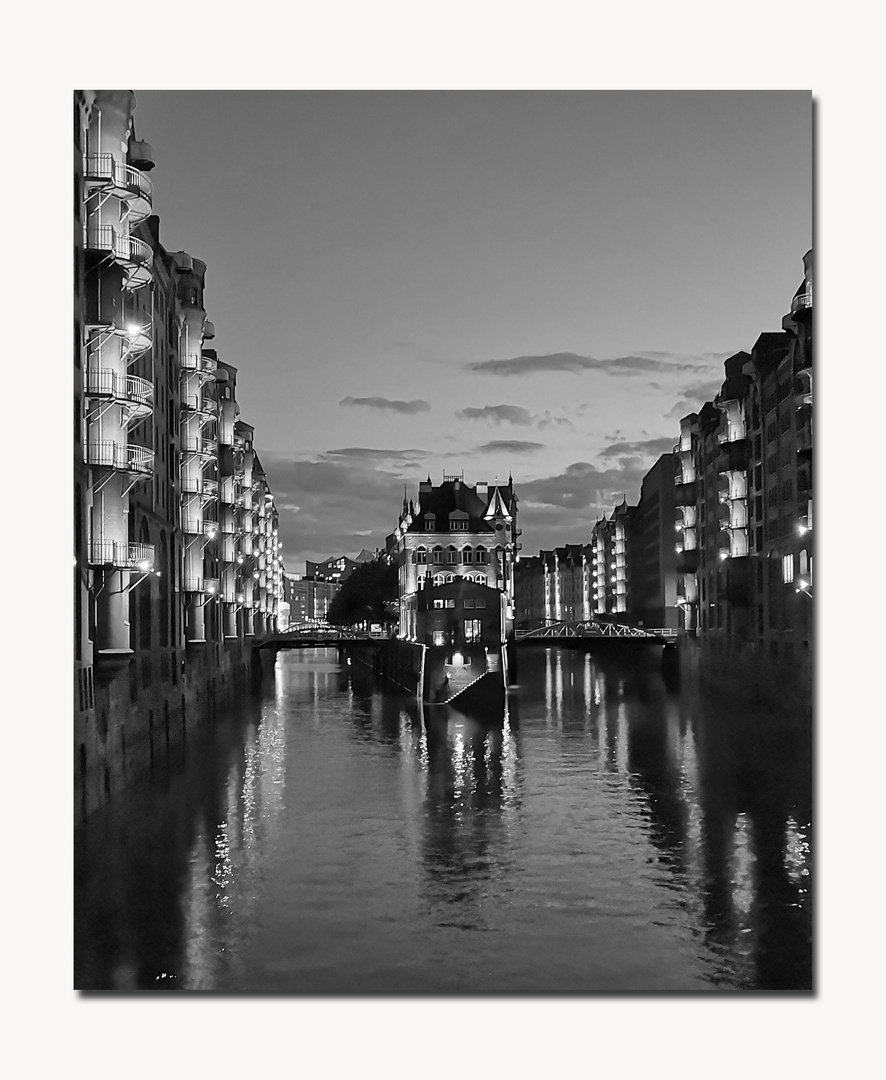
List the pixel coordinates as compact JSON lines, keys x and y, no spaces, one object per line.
{"x":533,"y":282}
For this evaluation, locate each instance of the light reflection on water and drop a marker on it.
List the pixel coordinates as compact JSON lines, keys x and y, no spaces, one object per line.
{"x":605,"y":835}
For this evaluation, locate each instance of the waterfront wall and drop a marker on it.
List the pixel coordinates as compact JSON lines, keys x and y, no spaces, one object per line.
{"x":400,"y":662}
{"x":781,"y":685}
{"x":140,"y":717}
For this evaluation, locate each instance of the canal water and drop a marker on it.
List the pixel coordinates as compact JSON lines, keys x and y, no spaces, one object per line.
{"x":611,"y":834}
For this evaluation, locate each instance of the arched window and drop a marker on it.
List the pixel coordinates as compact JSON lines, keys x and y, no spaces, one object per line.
{"x":438,"y":554}
{"x":804,"y":562}
{"x":451,"y":554}
{"x":449,"y":577}
{"x":481,"y":555}
{"x":467,"y":554}
{"x":430,"y":522}
{"x":421,"y":555}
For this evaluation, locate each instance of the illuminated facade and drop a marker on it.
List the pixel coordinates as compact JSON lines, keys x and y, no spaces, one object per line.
{"x":457,"y":530}
{"x":611,"y":576}
{"x":743,"y":497}
{"x":163,"y":514}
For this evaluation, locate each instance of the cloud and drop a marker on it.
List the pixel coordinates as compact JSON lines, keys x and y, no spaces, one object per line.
{"x":512,"y":414}
{"x":583,"y":486}
{"x":508,"y":446}
{"x":364,"y":453}
{"x":291,"y":506}
{"x":416,"y":406}
{"x":633,"y":364}
{"x":497,"y":414}
{"x":644,"y":448}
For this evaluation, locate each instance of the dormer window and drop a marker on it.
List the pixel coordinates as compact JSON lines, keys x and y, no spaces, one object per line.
{"x":430,"y":522}
{"x":458,"y":521}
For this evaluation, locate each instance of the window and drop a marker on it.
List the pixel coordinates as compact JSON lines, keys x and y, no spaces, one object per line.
{"x":438,"y":604}
{"x":467,"y":555}
{"x":473,"y":629}
{"x":481,"y":555}
{"x":469,"y":602}
{"x":430,"y":522}
{"x":421,"y":556}
{"x":787,"y":569}
{"x":480,"y":602}
{"x":804,"y":562}
{"x":451,"y":555}
{"x":449,"y":603}
{"x":438,"y":554}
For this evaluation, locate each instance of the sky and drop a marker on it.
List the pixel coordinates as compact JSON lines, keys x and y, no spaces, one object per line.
{"x":535,"y":283}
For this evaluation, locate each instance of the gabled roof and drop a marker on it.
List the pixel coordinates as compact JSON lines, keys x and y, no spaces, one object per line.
{"x":450,"y":497}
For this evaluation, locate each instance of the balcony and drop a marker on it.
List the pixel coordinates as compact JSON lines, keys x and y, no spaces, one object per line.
{"x":733,"y":456}
{"x":687,"y":561}
{"x":134,"y":255}
{"x":802,"y":303}
{"x":134,"y":393}
{"x":121,"y":180}
{"x":138,"y":460}
{"x":201,"y":445}
{"x":193,"y":584}
{"x":199,"y":405}
{"x":804,"y":440}
{"x":122,"y":555}
{"x":686,"y":494}
{"x":199,"y":485}
{"x":200,"y":527}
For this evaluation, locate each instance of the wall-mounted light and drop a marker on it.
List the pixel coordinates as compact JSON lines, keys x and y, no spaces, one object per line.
{"x":144,"y":565}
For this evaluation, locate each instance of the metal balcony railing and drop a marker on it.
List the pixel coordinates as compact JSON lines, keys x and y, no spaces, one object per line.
{"x":802,"y":301}
{"x":129,"y":250}
{"x":200,"y":404}
{"x":200,"y":527}
{"x":106,"y":169}
{"x":199,"y":485}
{"x":193,"y":584}
{"x":114,"y":455}
{"x":121,"y":554}
{"x":131,"y":389}
{"x":199,"y":444}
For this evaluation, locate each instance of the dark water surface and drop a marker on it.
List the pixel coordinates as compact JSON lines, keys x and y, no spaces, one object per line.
{"x":611,"y":835}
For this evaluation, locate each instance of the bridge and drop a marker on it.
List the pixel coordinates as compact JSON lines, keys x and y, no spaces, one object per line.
{"x":299,"y":637}
{"x":591,"y":629}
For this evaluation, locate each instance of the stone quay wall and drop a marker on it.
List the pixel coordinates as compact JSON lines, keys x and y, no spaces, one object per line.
{"x":147,"y":711}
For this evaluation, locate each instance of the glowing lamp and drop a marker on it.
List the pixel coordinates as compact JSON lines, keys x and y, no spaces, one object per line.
{"x":210,"y":588}
{"x":211,"y":534}
{"x":240,"y":599}
{"x":723,"y":556}
{"x":144,"y":565}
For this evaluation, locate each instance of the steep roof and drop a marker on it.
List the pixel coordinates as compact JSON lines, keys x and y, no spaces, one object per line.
{"x":451,"y":496}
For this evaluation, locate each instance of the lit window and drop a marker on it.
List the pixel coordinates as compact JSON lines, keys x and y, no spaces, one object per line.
{"x":438,"y":604}
{"x":804,"y":562}
{"x":472,"y":630}
{"x":787,"y":568}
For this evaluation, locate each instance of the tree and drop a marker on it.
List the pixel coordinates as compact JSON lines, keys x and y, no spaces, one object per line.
{"x":363,"y":594}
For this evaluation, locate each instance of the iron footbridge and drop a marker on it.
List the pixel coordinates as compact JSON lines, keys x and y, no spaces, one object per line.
{"x":593,"y":629}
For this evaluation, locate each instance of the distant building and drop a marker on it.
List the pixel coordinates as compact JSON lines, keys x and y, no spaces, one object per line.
{"x":555,"y":585}
{"x":611,"y":569}
{"x":652,"y":550}
{"x":309,"y":600}
{"x":337,"y":568}
{"x":458,"y":530}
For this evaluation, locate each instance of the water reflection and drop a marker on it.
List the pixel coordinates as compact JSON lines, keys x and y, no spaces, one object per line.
{"x":607,"y":832}
{"x":471,"y":771}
